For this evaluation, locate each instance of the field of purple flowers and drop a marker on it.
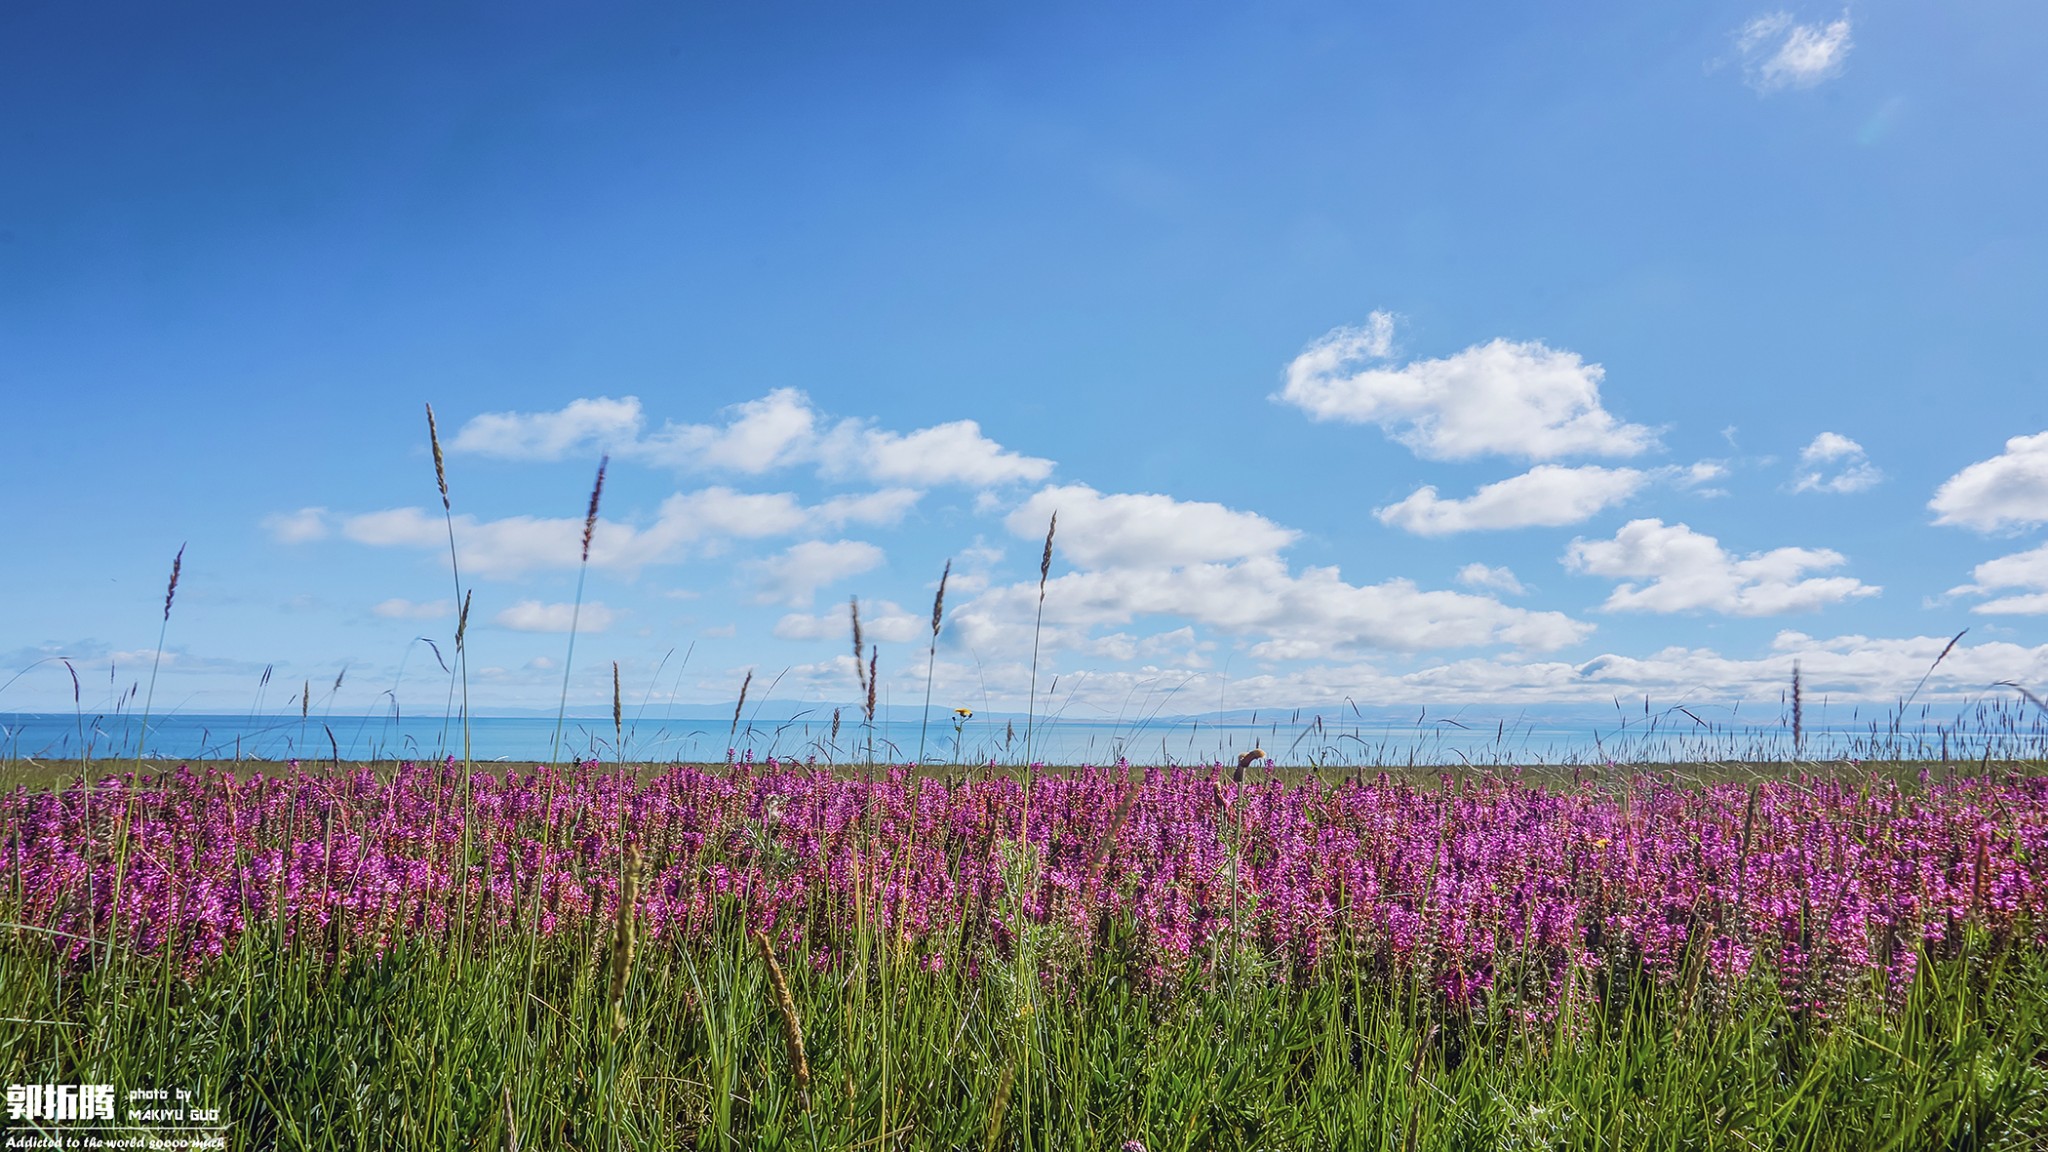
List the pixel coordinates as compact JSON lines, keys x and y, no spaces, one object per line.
{"x":674,"y":921}
{"x":1481,"y":887}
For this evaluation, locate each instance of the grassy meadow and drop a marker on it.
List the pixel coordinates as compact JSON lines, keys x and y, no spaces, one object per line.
{"x":1718,"y":954}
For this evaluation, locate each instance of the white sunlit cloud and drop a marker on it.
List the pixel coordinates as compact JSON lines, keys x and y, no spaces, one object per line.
{"x":2008,"y":491}
{"x":1516,"y":399}
{"x":397,"y":608}
{"x":303,"y":526}
{"x":1778,"y":52}
{"x":534,"y":616}
{"x":881,"y":622}
{"x":1835,"y":463}
{"x":1198,"y":566}
{"x":706,"y":518}
{"x":779,"y":430}
{"x":1145,"y":530}
{"x":1688,"y":571}
{"x":1548,"y":495}
{"x":1848,"y":666}
{"x":1501,"y":579}
{"x":795,"y":575}
{"x":1149,"y":555}
{"x":2024,"y":573}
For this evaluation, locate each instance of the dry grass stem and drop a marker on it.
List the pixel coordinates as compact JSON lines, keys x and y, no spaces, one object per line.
{"x":590,"y":517}
{"x":623,"y":935}
{"x":741,"y":704}
{"x":440,"y":466}
{"x":1798,"y":714}
{"x":792,"y":1024}
{"x":860,"y":669}
{"x":171,"y":592}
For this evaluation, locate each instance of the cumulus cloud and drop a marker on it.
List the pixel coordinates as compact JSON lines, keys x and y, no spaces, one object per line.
{"x":881,"y":621}
{"x":534,"y":616}
{"x":1777,"y":52}
{"x":2008,"y":491}
{"x":952,"y":453}
{"x":703,"y":519}
{"x":2023,"y":572}
{"x":1548,"y":495}
{"x":400,"y":609}
{"x":1847,"y":666}
{"x":779,"y":430}
{"x":1148,"y":555}
{"x":297,"y":527}
{"x":600,"y":423}
{"x":1501,"y":579}
{"x":1689,"y":571}
{"x":1835,"y":463}
{"x":1503,"y":398}
{"x":775,"y":431}
{"x":794,"y":576}
{"x":1142,"y":530}
{"x":1315,"y":614}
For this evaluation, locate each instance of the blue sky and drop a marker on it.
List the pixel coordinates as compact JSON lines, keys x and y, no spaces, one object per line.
{"x":1404,"y":353}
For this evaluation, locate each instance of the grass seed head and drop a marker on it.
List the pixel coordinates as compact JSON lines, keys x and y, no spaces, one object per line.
{"x":590,"y":517}
{"x":1045,"y":560}
{"x":785,"y":1007}
{"x":171,"y":593}
{"x":440,"y":467}
{"x":853,"y":607}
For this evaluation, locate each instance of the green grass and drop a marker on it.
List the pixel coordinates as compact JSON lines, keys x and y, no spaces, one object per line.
{"x":416,"y":1050}
{"x":45,"y":774}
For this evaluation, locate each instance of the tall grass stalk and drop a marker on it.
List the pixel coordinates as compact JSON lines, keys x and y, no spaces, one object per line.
{"x":576,"y":612}
{"x":461,"y":597}
{"x":141,"y":739}
{"x":931,"y":663}
{"x":1031,"y":705}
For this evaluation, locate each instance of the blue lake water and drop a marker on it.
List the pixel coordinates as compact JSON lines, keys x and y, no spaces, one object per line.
{"x":1335,"y":737}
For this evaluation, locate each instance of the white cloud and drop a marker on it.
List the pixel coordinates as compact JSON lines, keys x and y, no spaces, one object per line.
{"x":297,"y":527}
{"x":1139,"y":555}
{"x":778,"y":430}
{"x":1690,"y":571}
{"x":1137,"y":530}
{"x":399,"y":609}
{"x":2026,"y":571}
{"x":2010,"y":490}
{"x":794,"y":576}
{"x":881,"y":621}
{"x":1181,"y":646}
{"x":775,"y":431}
{"x":704,"y":519}
{"x":1548,"y":495}
{"x":579,"y":426}
{"x":1847,"y":667}
{"x":1835,"y":463}
{"x":534,"y":616}
{"x":1500,"y":579}
{"x":1312,"y":615}
{"x":1776,"y":52}
{"x":952,"y":453}
{"x":1512,"y":399}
